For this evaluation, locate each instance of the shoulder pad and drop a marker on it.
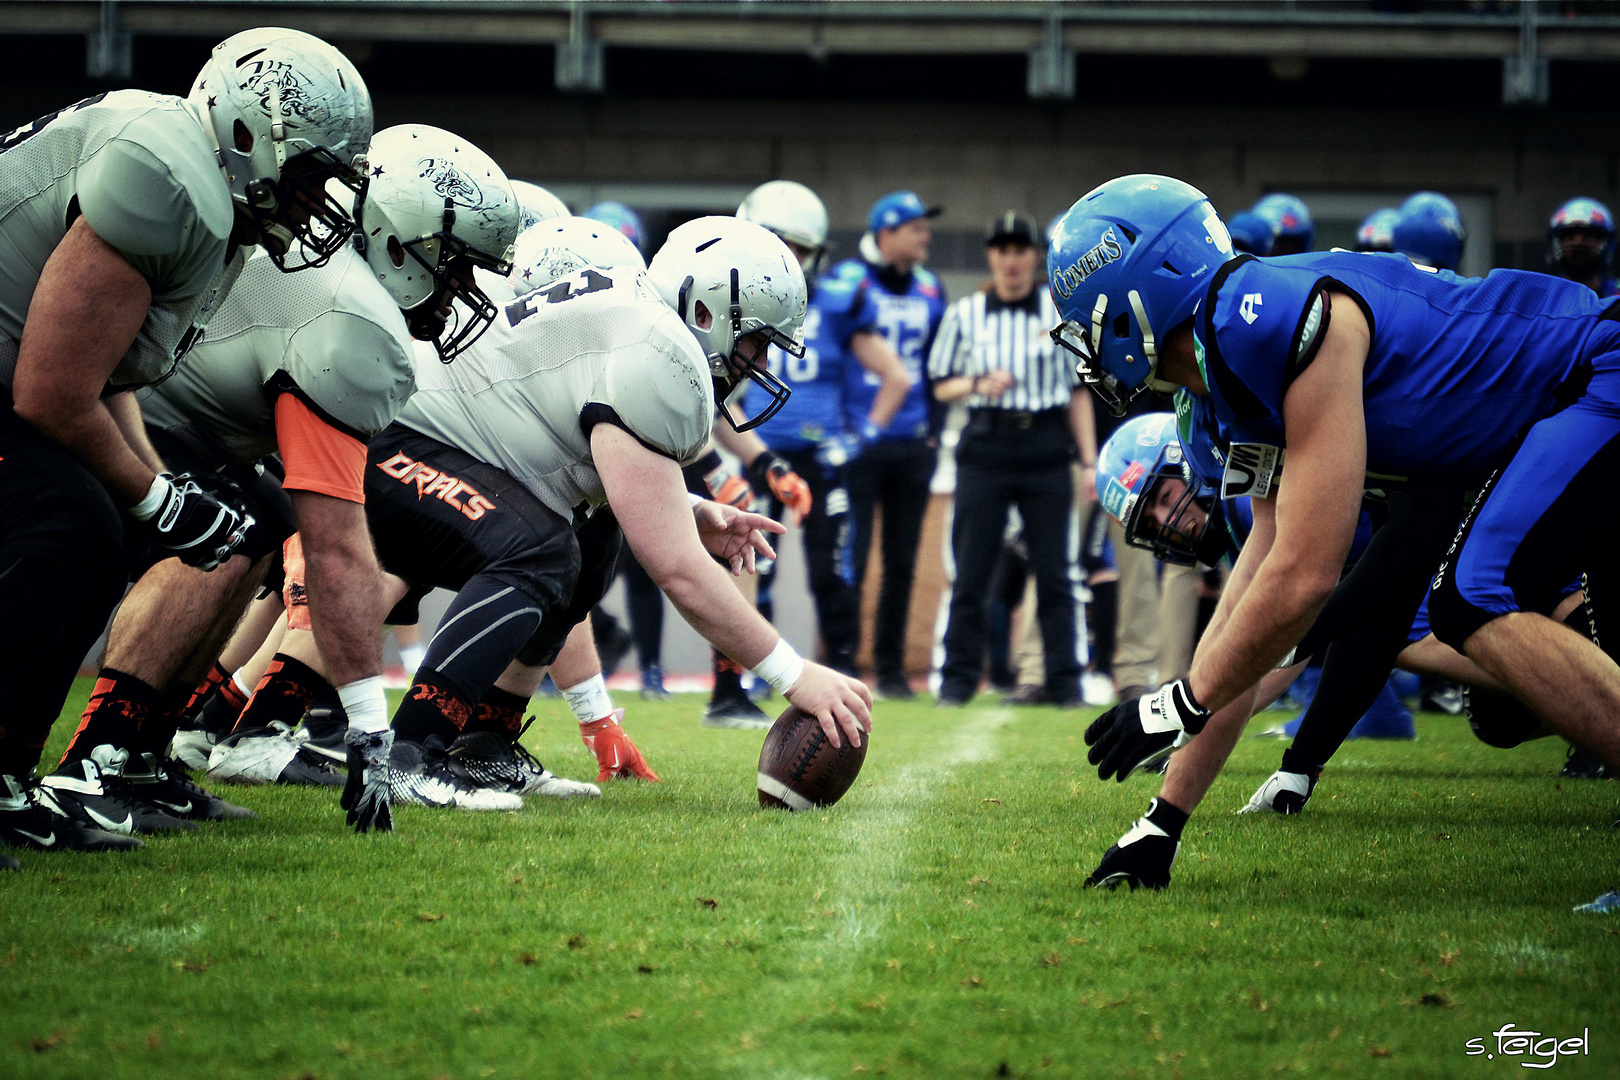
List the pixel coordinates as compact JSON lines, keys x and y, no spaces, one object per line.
{"x":354,"y":363}
{"x":662,"y":390}
{"x":1251,"y":335}
{"x":151,"y":188}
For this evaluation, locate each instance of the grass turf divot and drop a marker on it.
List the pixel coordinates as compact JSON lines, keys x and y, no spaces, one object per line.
{"x":931,"y":924}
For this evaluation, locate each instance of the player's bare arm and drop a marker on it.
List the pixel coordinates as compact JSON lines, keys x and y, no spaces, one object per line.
{"x":344,"y":584}
{"x":650,"y":502}
{"x":86,"y":310}
{"x":126,"y":413}
{"x":876,"y":355}
{"x":1316,"y":510}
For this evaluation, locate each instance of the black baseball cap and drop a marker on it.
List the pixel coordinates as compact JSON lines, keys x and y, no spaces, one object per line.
{"x":1013,"y":228}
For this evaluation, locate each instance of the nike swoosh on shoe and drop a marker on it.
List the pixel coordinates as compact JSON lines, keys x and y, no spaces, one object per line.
{"x":177,"y":809}
{"x":42,"y":841}
{"x":126,"y":826}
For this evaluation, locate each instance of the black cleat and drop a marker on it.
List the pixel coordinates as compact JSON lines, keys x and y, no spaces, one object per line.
{"x":8,"y":863}
{"x":487,"y":760}
{"x":895,"y":688}
{"x":31,"y":818}
{"x":1141,"y":860}
{"x":167,"y":785}
{"x":94,"y":790}
{"x":1583,"y":766}
{"x":735,"y":712}
{"x":322,"y":732}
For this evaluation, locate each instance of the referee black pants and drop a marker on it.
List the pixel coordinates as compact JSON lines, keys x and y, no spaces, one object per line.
{"x":1030,"y":470}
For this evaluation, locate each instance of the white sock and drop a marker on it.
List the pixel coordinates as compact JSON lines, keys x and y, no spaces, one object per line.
{"x":588,"y":699}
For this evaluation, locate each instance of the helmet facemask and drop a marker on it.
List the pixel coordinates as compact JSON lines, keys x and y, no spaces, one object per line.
{"x":1176,"y":536}
{"x":299,"y":222}
{"x":449,"y":262}
{"x":729,"y":367}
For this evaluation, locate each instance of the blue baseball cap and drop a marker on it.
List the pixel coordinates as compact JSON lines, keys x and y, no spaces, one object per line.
{"x":897,"y":208}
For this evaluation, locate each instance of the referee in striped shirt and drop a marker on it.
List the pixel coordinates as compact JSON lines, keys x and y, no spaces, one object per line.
{"x":1025,"y":426}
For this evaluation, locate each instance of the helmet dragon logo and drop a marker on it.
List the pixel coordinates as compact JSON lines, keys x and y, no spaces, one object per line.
{"x":260,"y":76}
{"x":451,"y":183}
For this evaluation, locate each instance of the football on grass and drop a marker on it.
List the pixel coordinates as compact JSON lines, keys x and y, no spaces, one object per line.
{"x":799,"y":769}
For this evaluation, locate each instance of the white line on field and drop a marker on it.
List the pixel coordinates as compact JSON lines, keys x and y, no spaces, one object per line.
{"x":877,"y":841}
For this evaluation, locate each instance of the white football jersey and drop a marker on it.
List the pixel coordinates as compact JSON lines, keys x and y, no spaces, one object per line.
{"x":333,"y":332}
{"x":594,"y":339}
{"x":142,"y":173}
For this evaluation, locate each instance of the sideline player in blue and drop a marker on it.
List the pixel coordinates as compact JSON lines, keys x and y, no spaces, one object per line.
{"x":1580,"y":245}
{"x":894,"y":468}
{"x":840,"y":333}
{"x":1364,"y":367}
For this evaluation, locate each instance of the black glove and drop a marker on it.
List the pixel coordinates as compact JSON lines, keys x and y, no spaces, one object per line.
{"x":192,"y":524}
{"x":365,"y":795}
{"x":1142,"y":731}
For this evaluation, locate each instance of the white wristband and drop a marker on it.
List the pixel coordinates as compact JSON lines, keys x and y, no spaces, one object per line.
{"x":589,"y":699}
{"x":143,"y":510}
{"x":781,"y":667}
{"x":695,"y":499}
{"x":365,"y":704}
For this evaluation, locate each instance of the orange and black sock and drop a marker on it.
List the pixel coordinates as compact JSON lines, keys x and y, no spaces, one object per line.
{"x":727,"y":678}
{"x":119,"y":706}
{"x":204,"y":693}
{"x":431,"y":708}
{"x":501,"y":711}
{"x":285,"y":691}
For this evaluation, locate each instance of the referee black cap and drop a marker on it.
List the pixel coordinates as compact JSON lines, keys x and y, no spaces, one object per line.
{"x":1012,"y":228}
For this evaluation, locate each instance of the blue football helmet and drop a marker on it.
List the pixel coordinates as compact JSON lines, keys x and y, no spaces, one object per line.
{"x":1579,"y":213}
{"x":1137,"y":463}
{"x":1251,"y":233}
{"x":1377,"y":232}
{"x":1292,"y":229}
{"x":621,"y":217}
{"x":1127,"y":265}
{"x":1430,"y":231}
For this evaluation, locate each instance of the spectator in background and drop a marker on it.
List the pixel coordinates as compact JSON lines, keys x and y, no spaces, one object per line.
{"x":893,"y":467}
{"x":1024,"y":425}
{"x":1580,"y":245}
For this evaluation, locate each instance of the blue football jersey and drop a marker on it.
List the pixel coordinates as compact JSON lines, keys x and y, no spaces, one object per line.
{"x":909,"y":321}
{"x":1458,"y":366}
{"x":839,"y":308}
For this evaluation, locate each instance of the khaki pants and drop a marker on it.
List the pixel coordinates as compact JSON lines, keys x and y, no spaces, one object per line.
{"x":1158,"y":613}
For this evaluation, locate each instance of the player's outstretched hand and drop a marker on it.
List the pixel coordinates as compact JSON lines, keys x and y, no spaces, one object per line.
{"x":192,"y":524}
{"x":735,"y":536}
{"x":1143,"y":731}
{"x":839,"y":702}
{"x":365,"y":795}
{"x":616,"y":756}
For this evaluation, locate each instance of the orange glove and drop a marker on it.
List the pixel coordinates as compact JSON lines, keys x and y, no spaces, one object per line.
{"x":733,"y":491}
{"x":616,"y":756}
{"x":790,"y":488}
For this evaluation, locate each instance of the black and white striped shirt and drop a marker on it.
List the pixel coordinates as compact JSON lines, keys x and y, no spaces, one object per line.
{"x":981,"y":334}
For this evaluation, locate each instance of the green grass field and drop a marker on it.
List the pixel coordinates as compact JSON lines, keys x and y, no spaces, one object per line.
{"x":931,"y":925}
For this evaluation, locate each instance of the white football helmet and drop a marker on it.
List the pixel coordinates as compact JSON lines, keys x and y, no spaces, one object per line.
{"x":793,"y":212}
{"x":436,"y":207}
{"x":288,"y":113}
{"x":728,"y":278}
{"x":537,"y":204}
{"x":562,"y":247}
